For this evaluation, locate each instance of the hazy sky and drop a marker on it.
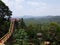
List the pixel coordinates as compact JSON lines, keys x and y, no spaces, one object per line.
{"x":33,"y":7}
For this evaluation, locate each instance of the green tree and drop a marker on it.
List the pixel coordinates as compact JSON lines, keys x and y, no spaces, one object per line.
{"x":22,"y":24}
{"x":20,"y":37}
{"x":16,"y":24}
{"x":53,"y":32}
{"x":5,"y":15}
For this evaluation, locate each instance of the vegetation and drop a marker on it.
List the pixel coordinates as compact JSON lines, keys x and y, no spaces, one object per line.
{"x":47,"y":32}
{"x":33,"y":30}
{"x":5,"y":15}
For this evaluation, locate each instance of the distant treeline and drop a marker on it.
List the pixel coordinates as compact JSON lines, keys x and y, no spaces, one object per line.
{"x":42,"y":20}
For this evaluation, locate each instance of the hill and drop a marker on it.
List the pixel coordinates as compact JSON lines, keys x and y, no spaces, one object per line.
{"x":44,"y":19}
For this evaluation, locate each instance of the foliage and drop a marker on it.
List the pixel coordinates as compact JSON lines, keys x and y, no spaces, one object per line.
{"x":5,"y":15}
{"x":20,"y":36}
{"x":4,"y":11}
{"x":49,"y":32}
{"x":22,"y":24}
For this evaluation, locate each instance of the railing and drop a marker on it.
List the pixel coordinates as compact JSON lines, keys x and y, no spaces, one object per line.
{"x":8,"y":34}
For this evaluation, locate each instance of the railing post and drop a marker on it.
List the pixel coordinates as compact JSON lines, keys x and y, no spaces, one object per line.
{"x":2,"y":44}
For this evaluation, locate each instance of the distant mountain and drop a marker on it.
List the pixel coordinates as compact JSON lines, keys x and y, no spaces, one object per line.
{"x":44,"y":19}
{"x":29,"y":16}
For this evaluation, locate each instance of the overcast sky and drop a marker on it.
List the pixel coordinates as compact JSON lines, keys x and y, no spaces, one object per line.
{"x":33,"y":7}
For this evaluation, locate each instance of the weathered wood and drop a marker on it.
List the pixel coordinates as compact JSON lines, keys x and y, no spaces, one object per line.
{"x":8,"y":34}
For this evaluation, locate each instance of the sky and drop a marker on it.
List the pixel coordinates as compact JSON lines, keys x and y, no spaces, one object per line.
{"x":22,"y":8}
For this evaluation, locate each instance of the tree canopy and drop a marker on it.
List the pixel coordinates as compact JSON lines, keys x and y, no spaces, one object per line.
{"x":5,"y":12}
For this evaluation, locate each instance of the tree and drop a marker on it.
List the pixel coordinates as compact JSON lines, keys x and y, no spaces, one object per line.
{"x":22,"y":24}
{"x":20,"y":36}
{"x":16,"y":24}
{"x":5,"y":15}
{"x":53,"y":32}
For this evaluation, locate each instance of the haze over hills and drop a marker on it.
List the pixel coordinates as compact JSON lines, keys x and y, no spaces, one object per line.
{"x":28,"y":16}
{"x":40,"y":19}
{"x":43,"y":19}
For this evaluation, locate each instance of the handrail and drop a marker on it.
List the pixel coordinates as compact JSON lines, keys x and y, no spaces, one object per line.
{"x":5,"y":34}
{"x":8,"y":34}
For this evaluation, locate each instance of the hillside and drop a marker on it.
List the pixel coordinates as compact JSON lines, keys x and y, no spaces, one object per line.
{"x":45,"y":19}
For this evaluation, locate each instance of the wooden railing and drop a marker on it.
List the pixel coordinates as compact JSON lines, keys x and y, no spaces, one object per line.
{"x":8,"y":34}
